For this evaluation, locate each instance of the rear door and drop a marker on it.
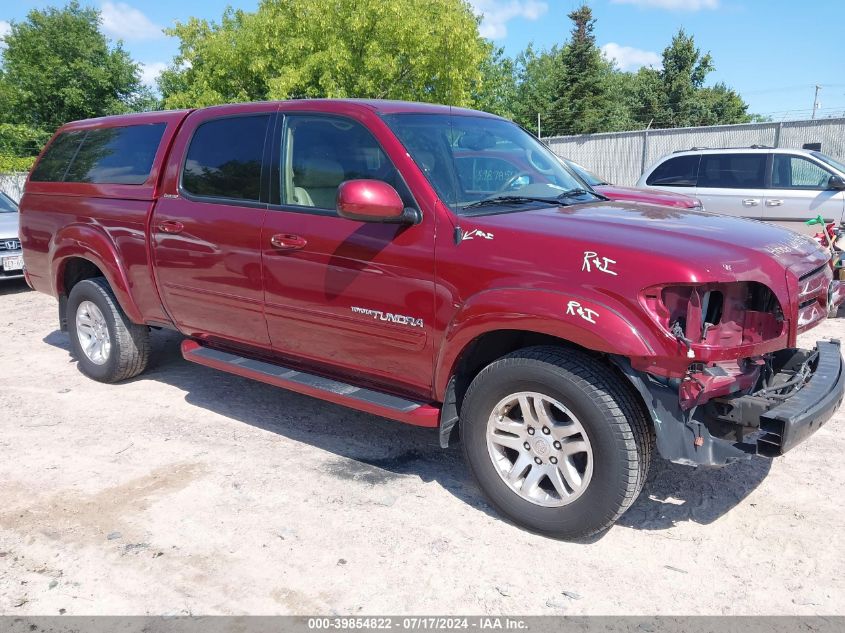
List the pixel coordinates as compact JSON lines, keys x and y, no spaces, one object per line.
{"x":206,"y":228}
{"x":799,"y":191}
{"x":733,"y":183}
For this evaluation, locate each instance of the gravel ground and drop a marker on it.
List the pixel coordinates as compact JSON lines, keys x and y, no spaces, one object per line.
{"x":190,"y":491}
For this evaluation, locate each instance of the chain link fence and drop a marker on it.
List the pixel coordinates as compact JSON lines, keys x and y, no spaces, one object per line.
{"x":12,"y":184}
{"x":621,"y":157}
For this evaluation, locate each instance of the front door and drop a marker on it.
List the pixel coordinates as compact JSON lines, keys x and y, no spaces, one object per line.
{"x":206,"y":230}
{"x":355,"y":296}
{"x":799,"y":192}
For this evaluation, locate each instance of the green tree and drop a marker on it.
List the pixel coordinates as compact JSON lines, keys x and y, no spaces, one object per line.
{"x":58,"y":66}
{"x":675,"y":96}
{"x":583,"y":102}
{"x":403,"y":49}
{"x":538,"y":76}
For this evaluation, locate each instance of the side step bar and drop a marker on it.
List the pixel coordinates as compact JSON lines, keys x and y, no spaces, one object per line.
{"x":363,"y":399}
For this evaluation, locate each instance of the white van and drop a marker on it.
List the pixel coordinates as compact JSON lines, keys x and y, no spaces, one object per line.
{"x":779,"y":185}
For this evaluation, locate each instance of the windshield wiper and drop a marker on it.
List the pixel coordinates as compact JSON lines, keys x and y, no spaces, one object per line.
{"x":486,"y":202}
{"x":575,"y":193}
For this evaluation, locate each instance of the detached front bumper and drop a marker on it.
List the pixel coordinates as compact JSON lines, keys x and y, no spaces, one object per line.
{"x":804,"y":413}
{"x":769,"y":421}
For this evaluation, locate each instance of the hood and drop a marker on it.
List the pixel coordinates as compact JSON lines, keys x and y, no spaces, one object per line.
{"x":9,"y":225}
{"x":695,"y":242}
{"x":650,"y":196}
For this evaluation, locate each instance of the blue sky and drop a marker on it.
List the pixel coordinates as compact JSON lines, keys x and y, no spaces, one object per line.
{"x":772,"y":51}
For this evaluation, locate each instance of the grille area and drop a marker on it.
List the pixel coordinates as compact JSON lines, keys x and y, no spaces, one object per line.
{"x":11,"y":244}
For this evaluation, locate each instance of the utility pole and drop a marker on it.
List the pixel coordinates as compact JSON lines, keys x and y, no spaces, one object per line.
{"x":538,"y":125}
{"x":816,"y":103}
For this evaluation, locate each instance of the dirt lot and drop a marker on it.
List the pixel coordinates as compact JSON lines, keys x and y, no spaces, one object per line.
{"x":192,"y":491}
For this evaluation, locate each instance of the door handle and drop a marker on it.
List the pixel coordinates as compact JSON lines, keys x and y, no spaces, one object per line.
{"x":774,"y":203}
{"x":750,"y":202}
{"x":171,"y":226}
{"x":288,"y":242}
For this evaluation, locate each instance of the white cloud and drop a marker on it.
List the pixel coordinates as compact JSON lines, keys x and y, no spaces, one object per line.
{"x":5,"y":29}
{"x":124,"y":22}
{"x":672,"y":5}
{"x":630,"y":58}
{"x":149,"y":72}
{"x":497,"y":13}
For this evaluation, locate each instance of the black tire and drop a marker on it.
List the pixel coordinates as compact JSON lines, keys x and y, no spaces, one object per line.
{"x":130,"y":343}
{"x":607,"y":409}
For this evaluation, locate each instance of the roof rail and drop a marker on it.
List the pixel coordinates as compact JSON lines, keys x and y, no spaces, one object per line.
{"x":698,"y":148}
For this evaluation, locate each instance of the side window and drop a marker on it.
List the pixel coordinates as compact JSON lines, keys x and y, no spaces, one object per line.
{"x":224,"y":158}
{"x":117,"y":155}
{"x":56,"y":160}
{"x":320,"y":152}
{"x":675,"y":172}
{"x":484,"y":174}
{"x":796,"y":172}
{"x":732,"y":171}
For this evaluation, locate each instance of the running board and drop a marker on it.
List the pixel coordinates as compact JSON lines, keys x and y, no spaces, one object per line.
{"x":361,"y":398}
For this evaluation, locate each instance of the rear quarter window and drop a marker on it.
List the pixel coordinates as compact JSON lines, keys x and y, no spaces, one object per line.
{"x":681,"y":171}
{"x":115,"y":155}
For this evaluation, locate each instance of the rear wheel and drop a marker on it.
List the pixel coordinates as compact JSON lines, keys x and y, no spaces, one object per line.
{"x":556,"y":441}
{"x":107,"y":345}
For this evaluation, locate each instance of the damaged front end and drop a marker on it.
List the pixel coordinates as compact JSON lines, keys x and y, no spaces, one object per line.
{"x":734,"y":388}
{"x":795,"y":392}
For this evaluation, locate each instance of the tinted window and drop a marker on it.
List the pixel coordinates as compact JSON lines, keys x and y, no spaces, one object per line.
{"x":320,"y":152}
{"x":57,"y":157}
{"x":794,"y":172}
{"x":224,"y":158}
{"x":116,"y":155}
{"x":732,"y":171}
{"x":676,"y":172}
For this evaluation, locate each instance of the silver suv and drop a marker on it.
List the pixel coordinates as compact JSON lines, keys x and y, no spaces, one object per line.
{"x":784,"y":186}
{"x":11,"y":257}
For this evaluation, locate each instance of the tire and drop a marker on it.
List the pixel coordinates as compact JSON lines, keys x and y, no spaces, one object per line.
{"x":574,"y":389}
{"x":128,"y":346}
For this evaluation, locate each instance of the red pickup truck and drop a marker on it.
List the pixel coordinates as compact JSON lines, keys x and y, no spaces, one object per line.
{"x":342,"y":250}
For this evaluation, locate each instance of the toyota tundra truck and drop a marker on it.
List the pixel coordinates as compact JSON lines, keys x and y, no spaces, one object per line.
{"x":440,"y":267}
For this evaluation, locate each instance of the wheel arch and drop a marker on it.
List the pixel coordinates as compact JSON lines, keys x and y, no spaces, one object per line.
{"x":487,"y":329}
{"x":81,"y":252}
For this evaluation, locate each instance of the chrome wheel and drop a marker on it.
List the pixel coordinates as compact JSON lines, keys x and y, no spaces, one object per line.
{"x":540,"y":449}
{"x":93,"y":333}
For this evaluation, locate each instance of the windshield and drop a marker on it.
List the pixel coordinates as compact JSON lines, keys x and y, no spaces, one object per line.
{"x":6,"y":204}
{"x":589,"y":178}
{"x":827,"y":159}
{"x":476,"y":161}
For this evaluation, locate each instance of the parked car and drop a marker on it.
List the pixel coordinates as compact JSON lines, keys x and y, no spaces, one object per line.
{"x":333,"y":248}
{"x":783,"y":186}
{"x":11,"y":257}
{"x":634,"y":194}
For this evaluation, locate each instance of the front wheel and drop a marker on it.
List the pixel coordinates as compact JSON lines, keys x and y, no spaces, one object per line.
{"x":556,"y":441}
{"x":107,"y":345}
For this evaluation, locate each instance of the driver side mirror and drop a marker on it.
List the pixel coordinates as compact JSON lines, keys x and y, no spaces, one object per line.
{"x":373,"y":201}
{"x":836,"y":182}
